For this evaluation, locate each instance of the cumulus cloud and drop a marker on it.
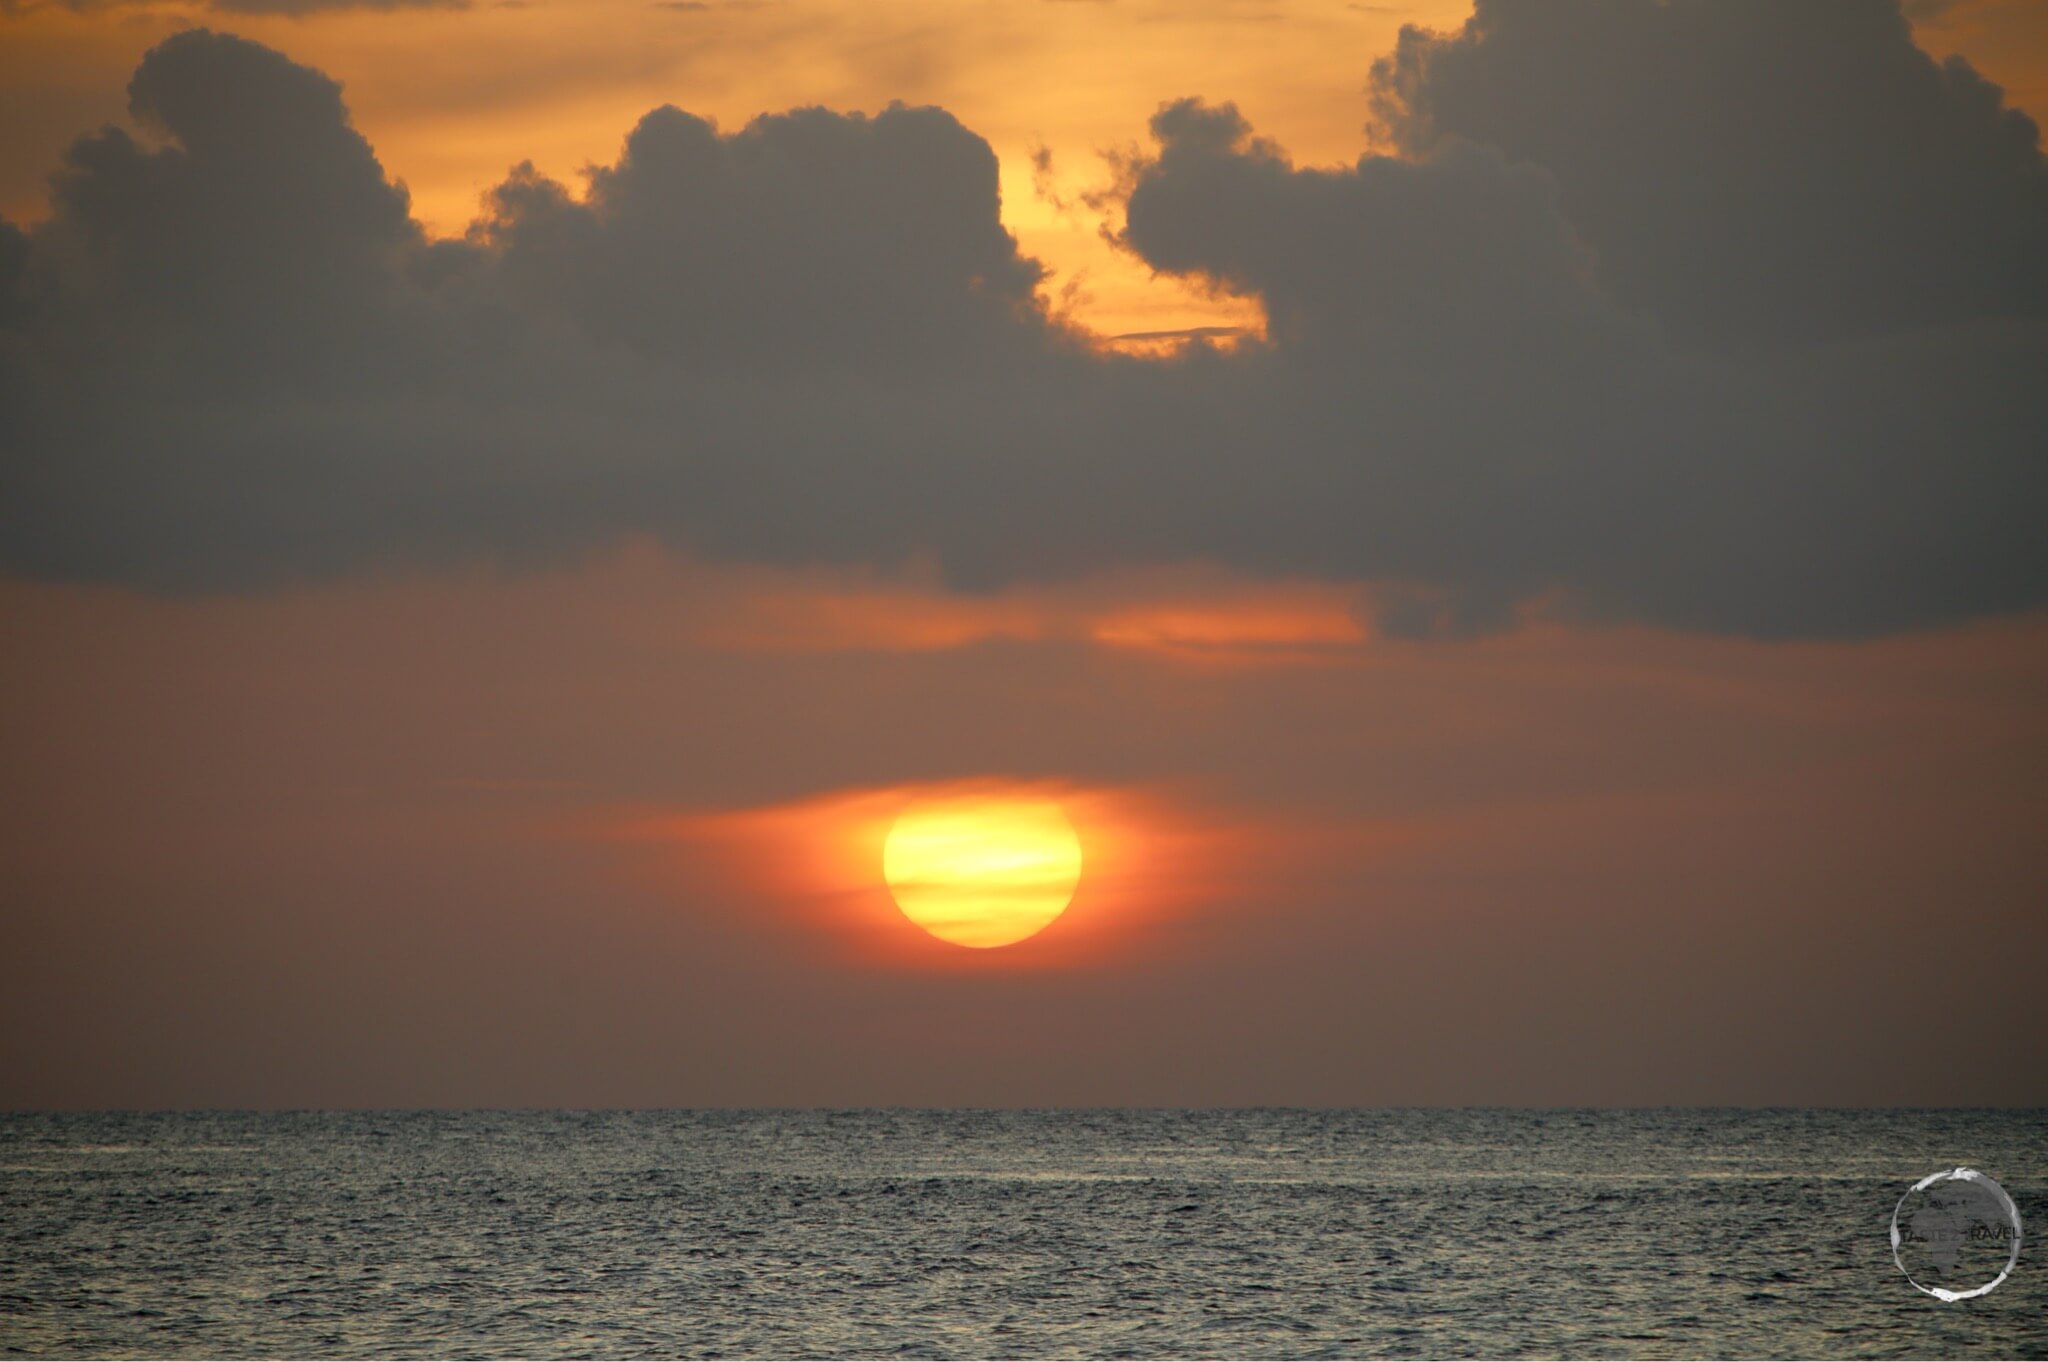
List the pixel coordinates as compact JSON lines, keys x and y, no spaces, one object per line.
{"x":263,"y":225}
{"x":1749,"y":171}
{"x":808,"y":238}
{"x":1459,"y":251}
{"x":230,"y":358}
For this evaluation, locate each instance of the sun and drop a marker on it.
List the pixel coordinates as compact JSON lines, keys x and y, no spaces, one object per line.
{"x":982,"y":871}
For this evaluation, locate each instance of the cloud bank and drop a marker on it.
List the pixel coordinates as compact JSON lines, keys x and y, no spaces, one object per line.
{"x":1714,"y":315}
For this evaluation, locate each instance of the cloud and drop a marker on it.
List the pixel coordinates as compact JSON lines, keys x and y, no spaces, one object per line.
{"x":257,"y":247}
{"x":1460,"y":251}
{"x":1466,"y":404}
{"x":1184,"y":333}
{"x":1749,"y":172}
{"x":1492,"y":377}
{"x":13,"y":260}
{"x":807,"y":237}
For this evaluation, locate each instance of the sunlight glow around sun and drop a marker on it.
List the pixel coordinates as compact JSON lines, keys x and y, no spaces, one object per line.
{"x":982,"y":871}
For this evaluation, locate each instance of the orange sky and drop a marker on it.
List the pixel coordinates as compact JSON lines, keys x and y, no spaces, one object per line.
{"x":451,"y":98}
{"x":481,"y":839}
{"x":364,"y":828}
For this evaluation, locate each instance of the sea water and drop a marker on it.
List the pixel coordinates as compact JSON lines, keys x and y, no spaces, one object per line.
{"x":1675,"y":1232}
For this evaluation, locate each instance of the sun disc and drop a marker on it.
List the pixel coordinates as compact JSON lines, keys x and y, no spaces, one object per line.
{"x":982,"y":871}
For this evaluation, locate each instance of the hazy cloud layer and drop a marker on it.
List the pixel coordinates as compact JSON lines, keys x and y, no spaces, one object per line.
{"x":1721,"y":315}
{"x":433,"y":843}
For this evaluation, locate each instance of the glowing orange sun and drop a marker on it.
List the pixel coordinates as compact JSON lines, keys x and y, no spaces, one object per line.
{"x":981,"y":870}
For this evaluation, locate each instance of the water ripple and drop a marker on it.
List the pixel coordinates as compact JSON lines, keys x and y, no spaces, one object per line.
{"x":1025,"y":1234}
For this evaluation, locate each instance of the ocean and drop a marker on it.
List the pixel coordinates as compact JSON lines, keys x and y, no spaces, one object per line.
{"x":1244,"y":1233}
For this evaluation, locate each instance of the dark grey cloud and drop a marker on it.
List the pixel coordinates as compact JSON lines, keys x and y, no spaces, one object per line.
{"x":230,"y":358}
{"x":1455,"y":254}
{"x":264,"y":228}
{"x":1472,"y":406}
{"x":1747,"y":170}
{"x":808,"y":238}
{"x":13,"y":260}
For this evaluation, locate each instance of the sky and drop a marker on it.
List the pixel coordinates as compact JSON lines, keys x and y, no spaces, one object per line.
{"x":1511,"y":534}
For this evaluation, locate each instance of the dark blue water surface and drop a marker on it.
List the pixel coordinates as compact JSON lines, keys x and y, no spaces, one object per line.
{"x":985,"y":1234}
